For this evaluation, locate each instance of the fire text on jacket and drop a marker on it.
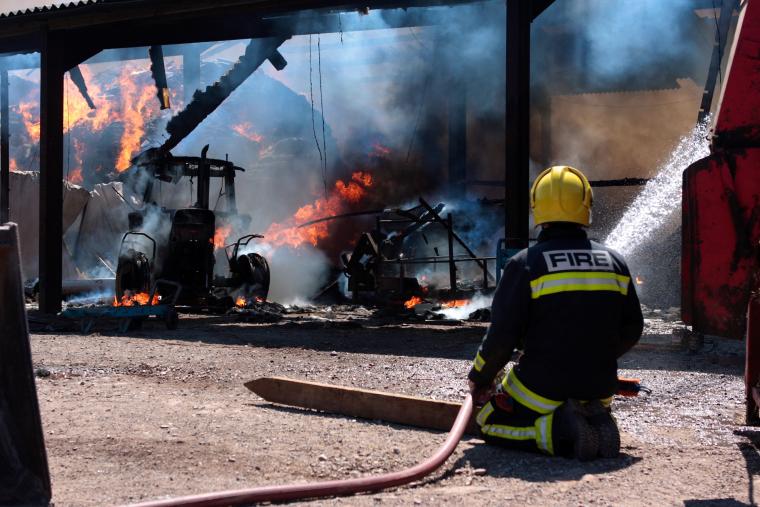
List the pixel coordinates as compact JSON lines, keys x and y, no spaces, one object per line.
{"x":583,"y":260}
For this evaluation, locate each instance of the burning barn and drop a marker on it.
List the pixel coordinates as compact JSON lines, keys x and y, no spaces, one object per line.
{"x":357,"y":171}
{"x":334,"y":114}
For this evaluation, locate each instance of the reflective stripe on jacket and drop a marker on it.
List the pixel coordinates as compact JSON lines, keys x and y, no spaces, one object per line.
{"x":570,"y":304}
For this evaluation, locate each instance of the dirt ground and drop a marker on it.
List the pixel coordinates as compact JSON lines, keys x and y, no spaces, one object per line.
{"x":153,"y":413}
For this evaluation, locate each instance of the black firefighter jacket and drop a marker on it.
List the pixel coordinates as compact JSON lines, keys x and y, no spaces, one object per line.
{"x":570,"y":303}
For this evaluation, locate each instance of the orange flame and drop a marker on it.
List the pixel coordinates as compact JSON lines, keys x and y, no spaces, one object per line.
{"x":240,"y":302}
{"x":639,"y":280}
{"x":287,"y":233}
{"x":220,"y":236}
{"x":14,"y":166}
{"x":138,"y":299}
{"x":75,"y":176}
{"x":412,"y":302}
{"x":455,"y":303}
{"x":134,"y":104}
{"x":245,"y":129}
{"x":31,"y":119}
{"x":77,"y":112}
{"x":129,"y":101}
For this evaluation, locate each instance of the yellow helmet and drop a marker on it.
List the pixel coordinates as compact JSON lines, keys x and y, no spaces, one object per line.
{"x":561,"y":194}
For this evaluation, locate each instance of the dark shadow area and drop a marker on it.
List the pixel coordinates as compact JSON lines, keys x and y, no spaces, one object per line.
{"x":448,"y":342}
{"x":750,"y":452}
{"x":384,"y":336}
{"x":501,"y":463}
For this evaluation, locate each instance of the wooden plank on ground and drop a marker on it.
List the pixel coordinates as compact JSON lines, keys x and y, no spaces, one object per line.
{"x":362,"y":403}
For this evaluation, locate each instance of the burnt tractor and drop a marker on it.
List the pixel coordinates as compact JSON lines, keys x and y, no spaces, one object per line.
{"x":179,"y":244}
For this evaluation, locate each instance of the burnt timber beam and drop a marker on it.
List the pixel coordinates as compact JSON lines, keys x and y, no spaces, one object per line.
{"x":517,"y":142}
{"x":205,"y":102}
{"x":78,"y":79}
{"x":51,"y":171}
{"x":5,"y":168}
{"x":158,"y":71}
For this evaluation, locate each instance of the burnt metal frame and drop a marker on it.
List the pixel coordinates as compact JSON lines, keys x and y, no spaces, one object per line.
{"x":67,"y":37}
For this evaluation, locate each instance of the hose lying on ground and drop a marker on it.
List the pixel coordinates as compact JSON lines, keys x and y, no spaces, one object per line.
{"x":328,"y":488}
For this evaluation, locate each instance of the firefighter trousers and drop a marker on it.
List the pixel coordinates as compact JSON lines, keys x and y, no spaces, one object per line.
{"x":519,"y":418}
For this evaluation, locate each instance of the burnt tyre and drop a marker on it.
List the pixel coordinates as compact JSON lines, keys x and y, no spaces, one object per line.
{"x":254,"y":274}
{"x":132,"y":273}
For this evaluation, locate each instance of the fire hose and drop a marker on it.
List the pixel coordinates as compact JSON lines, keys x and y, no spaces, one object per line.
{"x":344,"y":487}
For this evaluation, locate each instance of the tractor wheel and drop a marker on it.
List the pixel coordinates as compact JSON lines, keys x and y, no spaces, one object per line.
{"x":254,"y":273}
{"x":132,"y":273}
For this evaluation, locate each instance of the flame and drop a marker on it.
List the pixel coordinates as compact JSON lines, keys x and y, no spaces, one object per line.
{"x":75,"y":176}
{"x":455,"y":303}
{"x":639,"y":280}
{"x":412,"y":302}
{"x":242,"y":302}
{"x":245,"y":129}
{"x":14,"y":166}
{"x":342,"y":195}
{"x":138,"y":299}
{"x":129,"y":100}
{"x":134,"y":104}
{"x":30,"y":115}
{"x":220,"y":236}
{"x":77,"y":113}
{"x":363,"y":178}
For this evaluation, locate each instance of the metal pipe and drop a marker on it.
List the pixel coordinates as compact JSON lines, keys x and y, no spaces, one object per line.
{"x":329,"y":488}
{"x":452,"y":265}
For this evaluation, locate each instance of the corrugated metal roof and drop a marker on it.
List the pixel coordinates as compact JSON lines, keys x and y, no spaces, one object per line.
{"x":48,"y":8}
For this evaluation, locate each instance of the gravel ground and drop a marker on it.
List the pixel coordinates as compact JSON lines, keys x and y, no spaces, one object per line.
{"x":156,"y":413}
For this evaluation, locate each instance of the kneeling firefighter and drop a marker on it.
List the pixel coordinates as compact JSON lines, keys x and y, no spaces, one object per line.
{"x":571,"y":307}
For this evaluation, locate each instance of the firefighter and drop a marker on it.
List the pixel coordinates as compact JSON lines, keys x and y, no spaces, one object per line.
{"x":569,"y":304}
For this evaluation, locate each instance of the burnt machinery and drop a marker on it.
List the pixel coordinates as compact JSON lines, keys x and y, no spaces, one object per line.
{"x":382,"y":259}
{"x":178,"y":244}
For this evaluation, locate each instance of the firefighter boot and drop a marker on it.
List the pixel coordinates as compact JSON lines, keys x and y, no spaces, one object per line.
{"x":573,"y":434}
{"x":604,"y":425}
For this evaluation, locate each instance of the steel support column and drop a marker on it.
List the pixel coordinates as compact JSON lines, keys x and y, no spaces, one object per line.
{"x":51,"y":171}
{"x":517,"y":143}
{"x":5,"y":168}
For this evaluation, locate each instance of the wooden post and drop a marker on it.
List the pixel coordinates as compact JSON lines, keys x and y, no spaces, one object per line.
{"x":51,"y":171}
{"x":22,"y":446}
{"x":5,"y":168}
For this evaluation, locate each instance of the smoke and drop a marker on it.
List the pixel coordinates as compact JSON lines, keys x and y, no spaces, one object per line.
{"x":296,"y":273}
{"x":625,"y":44}
{"x":462,"y":312}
